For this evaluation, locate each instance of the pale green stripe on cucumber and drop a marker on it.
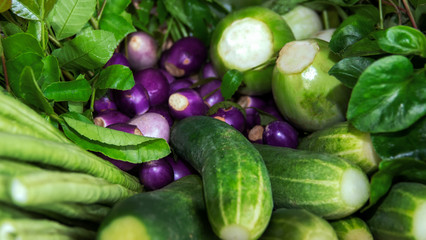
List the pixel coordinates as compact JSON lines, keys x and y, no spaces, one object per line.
{"x":324,"y":184}
{"x":8,"y":211}
{"x":38,"y":229}
{"x":344,"y":140}
{"x":64,"y":156}
{"x":402,"y":214}
{"x":352,"y":228}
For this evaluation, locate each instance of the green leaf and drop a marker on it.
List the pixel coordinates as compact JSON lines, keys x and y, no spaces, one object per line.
{"x":28,"y":9}
{"x":30,"y":91}
{"x":116,"y":77}
{"x":349,"y":69}
{"x":50,"y":72}
{"x":403,"y":40}
{"x":36,"y":29}
{"x":89,"y":50}
{"x":21,"y":43}
{"x":174,"y":7}
{"x":388,"y":97}
{"x":231,"y":81}
{"x":366,"y":46}
{"x":115,"y":6}
{"x":9,"y":28}
{"x":116,"y":24}
{"x":68,"y":17}
{"x":224,"y":105}
{"x":48,"y":6}
{"x":78,"y":90}
{"x":16,"y":65}
{"x":5,"y":5}
{"x":112,"y":143}
{"x":410,"y":142}
{"x":77,"y":107}
{"x":200,"y":18}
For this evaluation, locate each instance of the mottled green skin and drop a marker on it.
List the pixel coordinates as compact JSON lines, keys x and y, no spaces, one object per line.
{"x":309,"y":180}
{"x":343,"y":140}
{"x":255,"y":82}
{"x":237,"y":189}
{"x":176,"y":212}
{"x":311,"y":104}
{"x":347,"y":226}
{"x":393,"y":219}
{"x":297,"y":224}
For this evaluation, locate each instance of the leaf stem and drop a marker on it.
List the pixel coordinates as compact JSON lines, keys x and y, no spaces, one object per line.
{"x":410,"y":14}
{"x":381,"y":26}
{"x":54,"y":41}
{"x":397,"y":10}
{"x":325,"y":19}
{"x":101,"y":10}
{"x":94,"y":23}
{"x":68,"y":75}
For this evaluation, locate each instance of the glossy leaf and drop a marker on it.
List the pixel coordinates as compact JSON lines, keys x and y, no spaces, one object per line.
{"x":349,"y":69}
{"x":389,"y":96}
{"x":231,"y":81}
{"x":116,"y":24}
{"x":403,"y":40}
{"x":5,"y":5}
{"x":35,"y":28}
{"x":21,"y":43}
{"x":50,"y":72}
{"x":115,"y":6}
{"x":28,"y":9}
{"x":116,"y":77}
{"x":16,"y":65}
{"x":89,"y":50}
{"x":367,"y":46}
{"x":78,"y":90}
{"x":69,"y":16}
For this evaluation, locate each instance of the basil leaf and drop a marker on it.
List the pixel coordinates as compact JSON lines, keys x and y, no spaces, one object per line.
{"x":388,"y":96}
{"x":89,"y":50}
{"x":78,"y":90}
{"x":403,"y":40}
{"x":349,"y":69}
{"x":69,"y":16}
{"x":231,"y":81}
{"x":20,"y":43}
{"x":116,"y":77}
{"x":116,"y":24}
{"x":28,"y":9}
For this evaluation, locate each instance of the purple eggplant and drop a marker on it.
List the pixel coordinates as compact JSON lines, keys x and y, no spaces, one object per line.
{"x":208,"y":71}
{"x":251,"y":101}
{"x":252,"y":117}
{"x":179,"y":84}
{"x":141,"y":51}
{"x":123,"y":165}
{"x":152,"y":125}
{"x":233,"y":116}
{"x":211,"y":93}
{"x":255,"y":134}
{"x":185,"y":57}
{"x":168,"y":76}
{"x":134,"y":101}
{"x":107,"y":118}
{"x":103,"y":104}
{"x":180,"y":167}
{"x":156,"y":174}
{"x":280,"y":133}
{"x":118,"y":59}
{"x":164,"y":111}
{"x":186,"y":102}
{"x":126,"y":127}
{"x":155,"y":84}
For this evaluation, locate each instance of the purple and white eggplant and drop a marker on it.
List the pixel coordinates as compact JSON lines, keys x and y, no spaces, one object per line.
{"x":252,"y":117}
{"x":179,"y":84}
{"x":141,"y":51}
{"x":107,"y":118}
{"x":156,"y":174}
{"x":152,"y":125}
{"x":118,"y":59}
{"x":164,"y":111}
{"x":126,"y":127}
{"x":280,"y":133}
{"x":134,"y":101}
{"x":232,"y":116}
{"x":250,"y":105}
{"x":180,"y":167}
{"x":155,"y":83}
{"x":168,"y":76}
{"x":103,"y":104}
{"x":208,"y":71}
{"x":123,"y":165}
{"x":211,"y":93}
{"x":185,"y":103}
{"x":255,"y":134}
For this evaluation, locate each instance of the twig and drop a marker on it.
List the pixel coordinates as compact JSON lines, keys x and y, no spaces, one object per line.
{"x":397,"y":10}
{"x":410,"y":14}
{"x":381,"y":14}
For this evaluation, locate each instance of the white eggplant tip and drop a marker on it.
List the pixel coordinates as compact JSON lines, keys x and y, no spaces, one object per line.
{"x":234,"y":232}
{"x":419,"y":219}
{"x":178,"y":101}
{"x":296,"y":56}
{"x":18,"y":192}
{"x":355,"y":188}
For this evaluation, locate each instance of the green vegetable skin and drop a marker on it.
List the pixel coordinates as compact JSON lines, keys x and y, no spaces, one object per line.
{"x":236,"y":184}
{"x":326,"y":185}
{"x":352,"y":228}
{"x":297,"y":224}
{"x":304,"y":92}
{"x":402,"y":214}
{"x":176,"y":212}
{"x":233,"y":41}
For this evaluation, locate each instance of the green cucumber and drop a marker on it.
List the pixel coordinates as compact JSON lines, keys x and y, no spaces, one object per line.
{"x":328,"y":186}
{"x":297,"y":224}
{"x":176,"y":212}
{"x":402,"y":214}
{"x":352,"y":228}
{"x":344,"y":140}
{"x":236,"y":184}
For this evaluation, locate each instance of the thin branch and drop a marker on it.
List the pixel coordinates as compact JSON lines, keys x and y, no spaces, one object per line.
{"x":397,"y":10}
{"x":410,"y":14}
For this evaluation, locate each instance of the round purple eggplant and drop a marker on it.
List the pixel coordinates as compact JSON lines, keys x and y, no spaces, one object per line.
{"x":185,"y":56}
{"x":251,"y":101}
{"x":208,"y":71}
{"x":164,"y":111}
{"x":211,"y":93}
{"x":123,"y":165}
{"x":185,"y":103}
{"x":252,"y":117}
{"x":232,"y":116}
{"x":152,"y":125}
{"x":155,"y":84}
{"x":168,"y":76}
{"x":103,"y":104}
{"x":281,"y":134}
{"x":118,"y":59}
{"x":179,"y":84}
{"x":134,"y":101}
{"x":255,"y":134}
{"x":126,"y":127}
{"x":141,"y":51}
{"x":156,"y":174}
{"x":107,"y":118}
{"x":180,"y":167}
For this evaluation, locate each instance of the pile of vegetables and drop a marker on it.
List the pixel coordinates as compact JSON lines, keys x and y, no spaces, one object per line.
{"x":224,"y":119}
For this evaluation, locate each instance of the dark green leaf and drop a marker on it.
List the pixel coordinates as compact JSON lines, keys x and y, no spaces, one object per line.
{"x":366,"y":46}
{"x":200,"y":18}
{"x":50,"y":72}
{"x":28,"y":9}
{"x":115,"y":6}
{"x":231,"y":81}
{"x":349,"y":69}
{"x":116,"y":77}
{"x":403,"y":40}
{"x":69,"y":16}
{"x":144,"y":11}
{"x":89,"y":50}
{"x":36,"y":29}
{"x":77,"y":107}
{"x":21,"y":43}
{"x":367,"y":10}
{"x":174,"y":7}
{"x":115,"y":144}
{"x":225,"y":104}
{"x":16,"y":65}
{"x":78,"y":90}
{"x":410,"y":142}
{"x":388,"y":96}
{"x":9,"y":28}
{"x":5,"y":5}
{"x":116,"y":24}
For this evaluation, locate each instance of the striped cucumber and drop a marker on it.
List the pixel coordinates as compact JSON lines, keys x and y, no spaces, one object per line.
{"x":236,"y":184}
{"x":326,"y":185}
{"x":344,"y":140}
{"x":175,"y":212}
{"x":352,"y":228}
{"x":297,"y":224}
{"x":402,"y":214}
